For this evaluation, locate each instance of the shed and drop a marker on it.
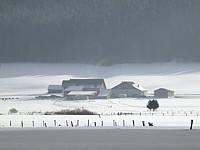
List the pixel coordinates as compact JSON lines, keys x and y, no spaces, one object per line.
{"x":163,"y":93}
{"x":55,"y":89}
{"x":81,"y":95}
{"x":128,"y":89}
{"x":105,"y":94}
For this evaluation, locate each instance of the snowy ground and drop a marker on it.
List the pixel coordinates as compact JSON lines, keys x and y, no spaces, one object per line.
{"x":20,"y":83}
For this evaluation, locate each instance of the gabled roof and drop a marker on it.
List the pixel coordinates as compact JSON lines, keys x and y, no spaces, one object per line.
{"x":78,"y":82}
{"x":129,"y":85}
{"x":55,"y":87}
{"x":163,"y":89}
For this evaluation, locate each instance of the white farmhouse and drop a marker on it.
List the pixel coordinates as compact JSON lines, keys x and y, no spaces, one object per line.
{"x":128,"y":89}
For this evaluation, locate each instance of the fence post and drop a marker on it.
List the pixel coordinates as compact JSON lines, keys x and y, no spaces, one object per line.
{"x":72,"y":124}
{"x":133,"y":123}
{"x":88,"y":122}
{"x":66,"y":123}
{"x":77,"y":123}
{"x":191,"y":125}
{"x":143,"y":123}
{"x":123,"y":122}
{"x":102,"y":123}
{"x":33,"y":123}
{"x":95,"y":124}
{"x":22,"y":124}
{"x":10,"y":123}
{"x":55,"y":122}
{"x":43,"y":124}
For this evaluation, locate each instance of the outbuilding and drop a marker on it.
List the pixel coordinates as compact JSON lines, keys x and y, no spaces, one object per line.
{"x":55,"y":89}
{"x":163,"y":93}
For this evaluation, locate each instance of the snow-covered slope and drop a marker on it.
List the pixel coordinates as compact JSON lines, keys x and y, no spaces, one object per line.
{"x":22,"y":79}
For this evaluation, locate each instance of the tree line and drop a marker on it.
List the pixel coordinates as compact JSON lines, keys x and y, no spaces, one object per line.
{"x":99,"y":31}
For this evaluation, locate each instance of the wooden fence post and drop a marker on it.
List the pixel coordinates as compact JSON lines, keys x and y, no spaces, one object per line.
{"x":102,"y":123}
{"x":124,"y":123}
{"x":72,"y":124}
{"x":55,"y":122}
{"x":66,"y":123}
{"x":133,"y":123}
{"x":191,"y":125}
{"x":33,"y":123}
{"x":22,"y":124}
{"x":10,"y":123}
{"x":77,"y":124}
{"x":43,"y":124}
{"x":143,"y":123}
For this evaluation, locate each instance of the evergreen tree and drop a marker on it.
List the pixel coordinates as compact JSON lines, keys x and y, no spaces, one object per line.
{"x":152,"y":104}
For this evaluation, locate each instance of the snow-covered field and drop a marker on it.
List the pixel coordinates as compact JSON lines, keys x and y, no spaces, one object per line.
{"x":20,"y":83}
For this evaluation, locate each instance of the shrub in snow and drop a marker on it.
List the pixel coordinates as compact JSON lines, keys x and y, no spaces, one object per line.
{"x":152,"y":104}
{"x":72,"y":112}
{"x":13,"y":110}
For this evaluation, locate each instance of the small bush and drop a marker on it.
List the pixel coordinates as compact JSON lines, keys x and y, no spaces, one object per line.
{"x":13,"y":110}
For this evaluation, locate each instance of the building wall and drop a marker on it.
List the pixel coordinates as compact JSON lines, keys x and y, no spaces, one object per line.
{"x":55,"y":91}
{"x":75,"y":97}
{"x":105,"y":97}
{"x":80,"y":97}
{"x":128,"y":92}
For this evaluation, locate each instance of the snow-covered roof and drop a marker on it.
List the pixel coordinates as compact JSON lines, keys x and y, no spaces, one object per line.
{"x":55,"y":87}
{"x":129,"y":85}
{"x":82,"y":93}
{"x":139,"y":87}
{"x":104,"y":92}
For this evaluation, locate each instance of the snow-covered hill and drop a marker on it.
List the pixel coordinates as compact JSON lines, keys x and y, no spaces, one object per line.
{"x":25,"y":81}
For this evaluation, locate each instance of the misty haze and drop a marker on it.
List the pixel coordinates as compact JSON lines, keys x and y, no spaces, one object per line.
{"x":99,"y":31}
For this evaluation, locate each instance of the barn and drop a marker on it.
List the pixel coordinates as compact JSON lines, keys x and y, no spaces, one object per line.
{"x":73,"y":85}
{"x":128,"y":89}
{"x":163,"y":93}
{"x":55,"y":89}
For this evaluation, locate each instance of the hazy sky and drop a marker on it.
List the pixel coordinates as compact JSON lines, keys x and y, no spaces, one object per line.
{"x":99,"y":31}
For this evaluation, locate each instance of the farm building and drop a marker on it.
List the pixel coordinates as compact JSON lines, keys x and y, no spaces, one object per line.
{"x":105,"y":94}
{"x":83,"y":85}
{"x":81,"y":95}
{"x":163,"y":93}
{"x":55,"y":89}
{"x":128,"y":89}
